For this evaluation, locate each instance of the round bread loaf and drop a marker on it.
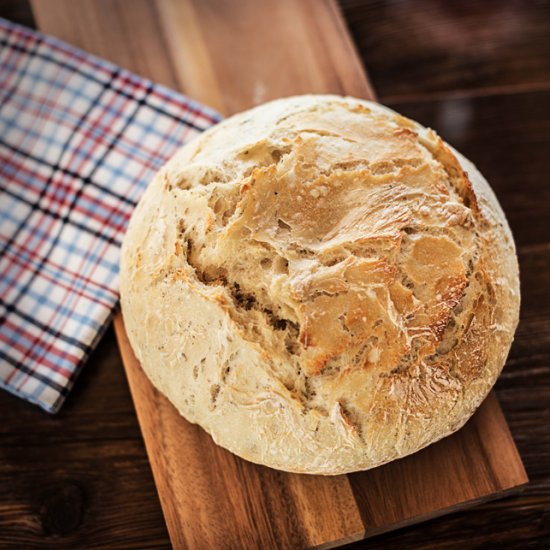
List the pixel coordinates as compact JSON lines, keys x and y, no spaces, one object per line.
{"x":322,"y":284}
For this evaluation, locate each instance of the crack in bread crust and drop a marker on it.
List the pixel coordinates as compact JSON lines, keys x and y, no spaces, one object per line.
{"x":366,"y":285}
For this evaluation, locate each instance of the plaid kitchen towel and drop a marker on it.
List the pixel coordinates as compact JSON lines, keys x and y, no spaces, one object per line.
{"x":79,"y":140}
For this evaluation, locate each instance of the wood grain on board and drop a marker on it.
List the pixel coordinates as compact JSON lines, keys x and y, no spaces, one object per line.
{"x":232,"y":55}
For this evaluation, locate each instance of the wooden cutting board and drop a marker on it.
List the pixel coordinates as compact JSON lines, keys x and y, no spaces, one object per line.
{"x":231,"y":55}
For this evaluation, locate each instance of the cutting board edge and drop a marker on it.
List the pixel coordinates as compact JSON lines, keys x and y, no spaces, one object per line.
{"x":455,"y":508}
{"x":421,"y":518}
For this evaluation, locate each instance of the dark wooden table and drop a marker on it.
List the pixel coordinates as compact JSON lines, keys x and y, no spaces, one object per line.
{"x":477,"y":72}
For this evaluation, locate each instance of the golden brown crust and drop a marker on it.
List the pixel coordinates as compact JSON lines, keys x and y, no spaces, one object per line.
{"x":322,"y":284}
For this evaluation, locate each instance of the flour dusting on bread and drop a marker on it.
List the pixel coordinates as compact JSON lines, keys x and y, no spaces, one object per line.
{"x":322,"y":284}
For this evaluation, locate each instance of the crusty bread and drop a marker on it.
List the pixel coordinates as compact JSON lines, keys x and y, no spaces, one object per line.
{"x":322,"y":284}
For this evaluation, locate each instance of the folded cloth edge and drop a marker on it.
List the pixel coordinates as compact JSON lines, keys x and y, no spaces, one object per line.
{"x":207,"y":113}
